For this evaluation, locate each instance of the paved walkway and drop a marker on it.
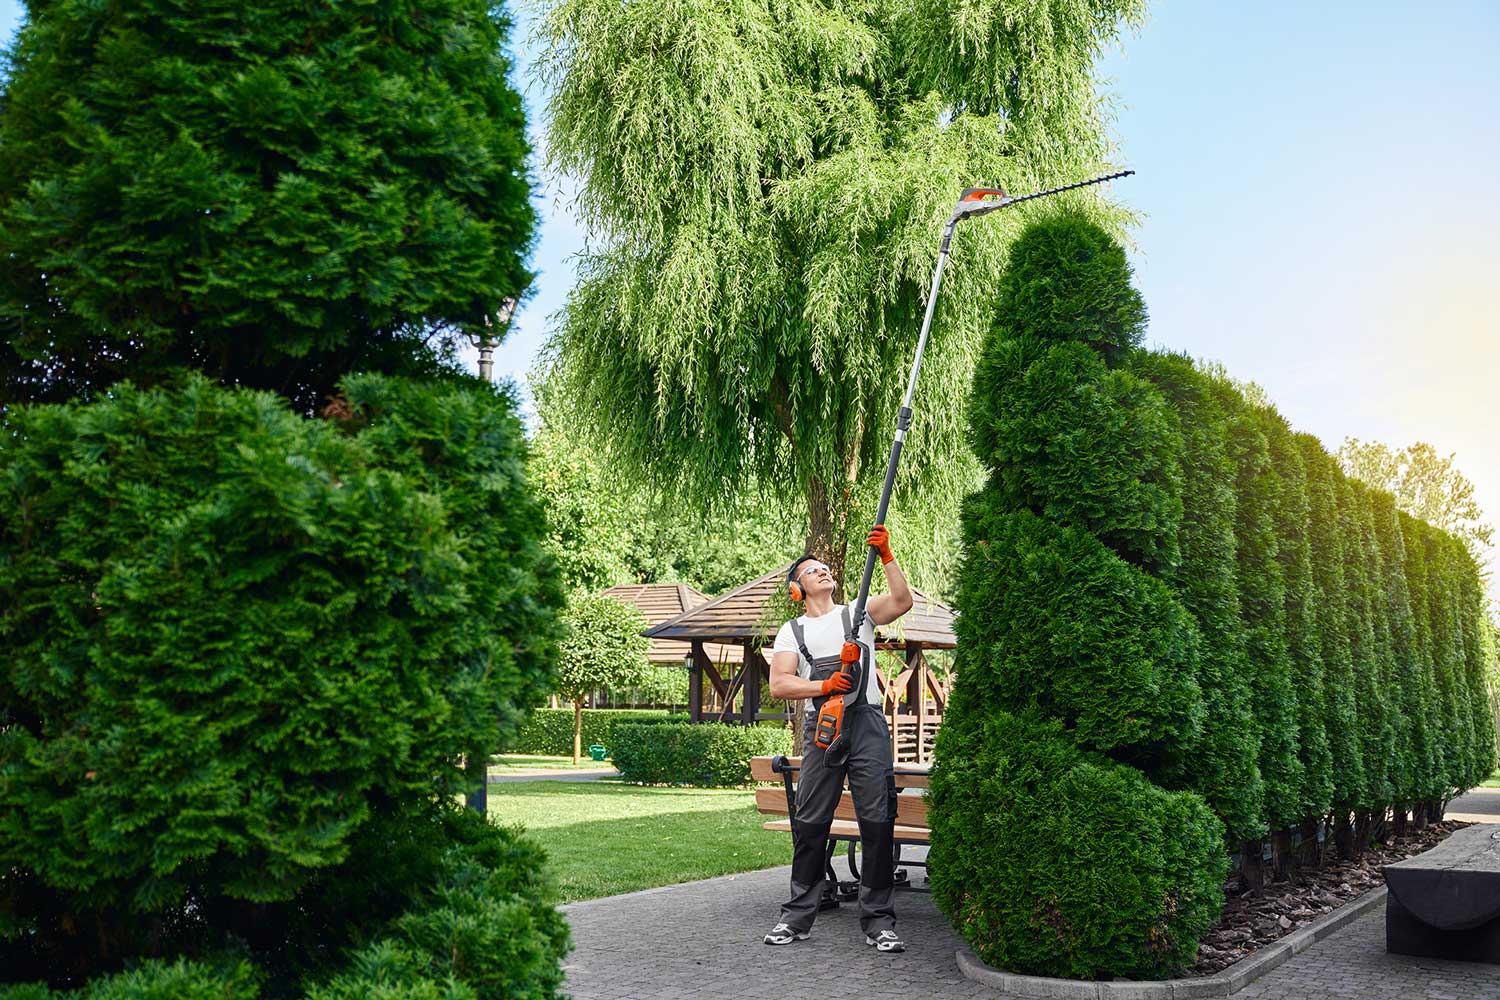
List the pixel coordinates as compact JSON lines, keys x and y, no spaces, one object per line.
{"x":702,"y":940}
{"x":554,"y":775}
{"x":1482,"y":805}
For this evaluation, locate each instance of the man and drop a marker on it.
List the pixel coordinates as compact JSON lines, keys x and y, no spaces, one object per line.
{"x":805,"y":664}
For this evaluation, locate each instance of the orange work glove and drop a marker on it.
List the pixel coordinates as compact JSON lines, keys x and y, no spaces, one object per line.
{"x":839,"y":683}
{"x":881,"y":539}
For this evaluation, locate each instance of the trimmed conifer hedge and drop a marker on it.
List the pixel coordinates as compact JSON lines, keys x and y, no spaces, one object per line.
{"x":245,"y":654}
{"x":1182,"y":630}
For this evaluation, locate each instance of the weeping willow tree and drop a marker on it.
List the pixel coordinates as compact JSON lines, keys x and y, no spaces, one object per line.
{"x":764,"y":183}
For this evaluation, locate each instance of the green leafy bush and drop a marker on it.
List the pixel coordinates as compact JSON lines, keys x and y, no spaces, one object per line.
{"x":1053,"y":619}
{"x":549,"y":731}
{"x":274,"y":193}
{"x":155,"y":979}
{"x":708,"y":753}
{"x":242,"y":653}
{"x":1055,"y":861}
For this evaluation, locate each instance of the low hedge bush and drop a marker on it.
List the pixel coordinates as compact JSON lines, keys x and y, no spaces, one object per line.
{"x":708,"y":754}
{"x":549,"y":731}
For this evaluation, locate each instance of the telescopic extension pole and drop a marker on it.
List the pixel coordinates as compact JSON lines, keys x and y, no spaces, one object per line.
{"x":973,"y":202}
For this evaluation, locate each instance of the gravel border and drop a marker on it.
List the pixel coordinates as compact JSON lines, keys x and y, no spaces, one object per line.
{"x":1230,"y":980}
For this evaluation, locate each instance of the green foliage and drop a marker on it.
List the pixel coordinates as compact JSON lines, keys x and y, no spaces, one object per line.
{"x":273,"y":193}
{"x":1079,"y":443}
{"x":482,"y":927}
{"x":1261,"y":587}
{"x":1052,"y":619}
{"x":602,"y":648}
{"x":767,"y":183}
{"x":1299,"y":616}
{"x":155,"y":979}
{"x":243,"y":652}
{"x":1068,"y":281}
{"x":550,"y":730}
{"x":1225,"y":768}
{"x":1054,"y":861}
{"x":1426,"y":485}
{"x":708,"y":754}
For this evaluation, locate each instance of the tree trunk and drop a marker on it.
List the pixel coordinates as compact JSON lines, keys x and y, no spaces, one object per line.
{"x":1282,"y":859}
{"x":798,"y":749}
{"x":1343,"y":834}
{"x":825,"y":532}
{"x":1252,"y":870}
{"x":577,"y":731}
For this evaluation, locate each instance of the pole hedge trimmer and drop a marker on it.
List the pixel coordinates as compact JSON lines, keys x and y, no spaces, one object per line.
{"x":973,"y":203}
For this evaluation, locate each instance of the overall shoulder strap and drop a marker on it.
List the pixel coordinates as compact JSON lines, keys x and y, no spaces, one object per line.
{"x":847,"y":625}
{"x":801,"y":637}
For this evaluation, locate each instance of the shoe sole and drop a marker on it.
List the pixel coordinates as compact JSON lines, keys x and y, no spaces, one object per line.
{"x":885,"y":947}
{"x":790,"y":940}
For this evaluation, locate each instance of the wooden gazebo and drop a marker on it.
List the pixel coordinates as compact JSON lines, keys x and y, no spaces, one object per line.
{"x":661,"y":602}
{"x":913,"y":704}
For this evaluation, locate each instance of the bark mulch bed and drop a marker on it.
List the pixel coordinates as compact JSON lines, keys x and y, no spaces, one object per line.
{"x":1251,"y":922}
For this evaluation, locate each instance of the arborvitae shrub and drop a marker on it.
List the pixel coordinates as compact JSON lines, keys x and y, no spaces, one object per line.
{"x":1080,"y":444}
{"x":1340,"y":719}
{"x":276,"y":193}
{"x":1299,"y":617}
{"x":1224,"y":767}
{"x":1068,"y":280}
{"x":241,"y":645}
{"x":1426,"y":717}
{"x":1055,"y":861}
{"x":1053,"y":619}
{"x":1262,"y":596}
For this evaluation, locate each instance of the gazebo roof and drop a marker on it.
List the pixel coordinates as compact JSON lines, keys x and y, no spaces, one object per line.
{"x":661,"y":602}
{"x":736,"y":616}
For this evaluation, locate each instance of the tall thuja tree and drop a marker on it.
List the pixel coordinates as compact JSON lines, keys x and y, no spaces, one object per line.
{"x":1410,"y":749}
{"x":1299,"y":617}
{"x":274,"y":193}
{"x":1477,"y":635}
{"x":1423,"y":701}
{"x":1448,"y":659}
{"x":1261,"y":585}
{"x":765,"y":184}
{"x":1056,"y":848}
{"x":1340,"y":708}
{"x":1375,"y":668}
{"x":1225,"y":765}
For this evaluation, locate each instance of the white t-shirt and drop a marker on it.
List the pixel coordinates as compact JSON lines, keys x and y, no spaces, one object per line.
{"x":825,"y":637}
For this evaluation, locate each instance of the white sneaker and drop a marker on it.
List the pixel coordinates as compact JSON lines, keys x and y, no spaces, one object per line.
{"x":886,"y":941}
{"x":782,"y":934}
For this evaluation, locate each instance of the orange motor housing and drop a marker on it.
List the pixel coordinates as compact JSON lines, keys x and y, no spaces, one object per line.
{"x":830,"y":718}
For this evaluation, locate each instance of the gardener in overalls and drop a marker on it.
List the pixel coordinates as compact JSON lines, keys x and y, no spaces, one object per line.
{"x":806,"y":664}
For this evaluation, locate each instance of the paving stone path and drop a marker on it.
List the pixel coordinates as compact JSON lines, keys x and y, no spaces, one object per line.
{"x":702,"y":940}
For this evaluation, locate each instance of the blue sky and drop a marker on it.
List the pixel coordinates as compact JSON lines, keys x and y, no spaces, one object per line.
{"x":1318,"y":210}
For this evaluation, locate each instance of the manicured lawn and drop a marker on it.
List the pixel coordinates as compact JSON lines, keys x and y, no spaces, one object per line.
{"x":604,"y":839}
{"x":1493,"y":781}
{"x":528,"y":762}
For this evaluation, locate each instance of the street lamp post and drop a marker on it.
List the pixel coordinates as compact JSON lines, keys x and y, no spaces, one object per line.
{"x":486,"y":340}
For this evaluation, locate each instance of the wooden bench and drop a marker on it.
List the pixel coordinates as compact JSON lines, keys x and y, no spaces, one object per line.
{"x":1445,"y":903}
{"x":911,"y":820}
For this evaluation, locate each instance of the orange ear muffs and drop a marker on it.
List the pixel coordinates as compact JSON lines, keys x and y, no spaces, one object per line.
{"x":795,"y":589}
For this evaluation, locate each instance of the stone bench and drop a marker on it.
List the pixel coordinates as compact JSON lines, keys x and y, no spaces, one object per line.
{"x":1445,"y":903}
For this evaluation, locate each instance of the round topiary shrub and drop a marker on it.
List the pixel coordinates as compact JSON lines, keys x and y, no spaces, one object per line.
{"x":245,"y":648}
{"x":1054,"y":861}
